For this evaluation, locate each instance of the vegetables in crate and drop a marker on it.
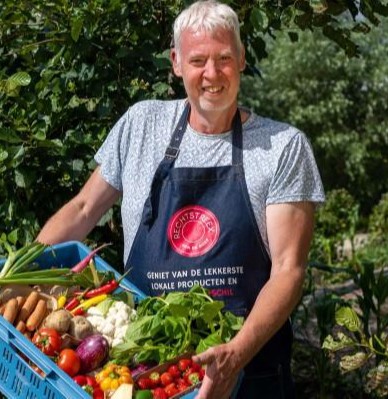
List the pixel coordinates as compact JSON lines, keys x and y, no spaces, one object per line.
{"x":175,"y":323}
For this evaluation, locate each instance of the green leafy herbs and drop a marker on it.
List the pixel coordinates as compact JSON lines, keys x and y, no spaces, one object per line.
{"x":174,"y":323}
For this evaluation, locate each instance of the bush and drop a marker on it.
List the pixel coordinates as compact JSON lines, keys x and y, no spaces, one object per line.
{"x":378,"y":221}
{"x":336,"y":221}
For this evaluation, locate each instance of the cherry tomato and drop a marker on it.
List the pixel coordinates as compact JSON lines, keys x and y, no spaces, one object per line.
{"x":48,"y":341}
{"x":69,"y":362}
{"x":166,"y":378}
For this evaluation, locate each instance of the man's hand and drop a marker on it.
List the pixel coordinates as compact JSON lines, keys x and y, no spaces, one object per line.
{"x":222,"y":372}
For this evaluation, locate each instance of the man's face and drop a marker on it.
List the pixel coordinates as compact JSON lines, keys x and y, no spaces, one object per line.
{"x":210,"y":65}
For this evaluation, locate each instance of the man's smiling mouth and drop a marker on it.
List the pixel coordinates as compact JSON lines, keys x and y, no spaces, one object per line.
{"x":213,"y":89}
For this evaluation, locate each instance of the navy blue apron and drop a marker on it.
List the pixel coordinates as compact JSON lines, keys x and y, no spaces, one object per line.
{"x":198,"y":226}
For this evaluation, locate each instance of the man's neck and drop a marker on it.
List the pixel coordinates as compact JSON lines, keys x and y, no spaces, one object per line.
{"x":214,"y":122}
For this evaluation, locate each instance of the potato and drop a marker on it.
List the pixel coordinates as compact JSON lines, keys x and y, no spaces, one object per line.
{"x":58,"y":320}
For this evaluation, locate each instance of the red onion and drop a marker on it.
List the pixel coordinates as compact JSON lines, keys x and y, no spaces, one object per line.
{"x":92,"y":350}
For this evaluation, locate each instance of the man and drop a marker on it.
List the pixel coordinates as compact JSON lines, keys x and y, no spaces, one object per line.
{"x":211,"y":193}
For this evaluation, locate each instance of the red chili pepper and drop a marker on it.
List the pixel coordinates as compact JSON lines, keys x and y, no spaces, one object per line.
{"x":105,"y":289}
{"x":74,"y":302}
{"x":78,"y":312}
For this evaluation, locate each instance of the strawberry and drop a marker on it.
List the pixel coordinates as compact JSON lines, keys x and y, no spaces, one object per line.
{"x":174,"y":371}
{"x":145,"y":383}
{"x":155,"y":378}
{"x":159,"y":393}
{"x":184,"y":364}
{"x":166,"y":378}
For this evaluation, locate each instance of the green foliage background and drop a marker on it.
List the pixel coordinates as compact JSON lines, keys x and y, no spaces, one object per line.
{"x":340,"y":102}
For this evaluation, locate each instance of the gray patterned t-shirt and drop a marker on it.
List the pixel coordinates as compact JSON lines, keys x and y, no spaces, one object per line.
{"x":278,"y":160}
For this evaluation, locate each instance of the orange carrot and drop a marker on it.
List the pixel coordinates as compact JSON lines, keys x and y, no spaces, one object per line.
{"x":11,"y":310}
{"x":37,"y":316}
{"x":28,"y":306}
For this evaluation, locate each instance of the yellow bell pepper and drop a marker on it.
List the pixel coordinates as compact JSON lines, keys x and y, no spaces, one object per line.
{"x":112,"y":376}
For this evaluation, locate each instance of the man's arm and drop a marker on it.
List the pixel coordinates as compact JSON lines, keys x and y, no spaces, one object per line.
{"x":78,"y":217}
{"x":290,"y":228}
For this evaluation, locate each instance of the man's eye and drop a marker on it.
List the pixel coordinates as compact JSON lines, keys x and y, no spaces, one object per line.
{"x":197,"y":61}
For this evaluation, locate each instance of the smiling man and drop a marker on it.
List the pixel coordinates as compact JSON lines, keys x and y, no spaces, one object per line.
{"x":209,"y":188}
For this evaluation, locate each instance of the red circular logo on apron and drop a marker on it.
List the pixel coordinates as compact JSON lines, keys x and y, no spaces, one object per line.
{"x":193,"y":231}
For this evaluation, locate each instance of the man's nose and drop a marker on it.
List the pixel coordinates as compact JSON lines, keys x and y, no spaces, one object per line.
{"x":211,"y":69}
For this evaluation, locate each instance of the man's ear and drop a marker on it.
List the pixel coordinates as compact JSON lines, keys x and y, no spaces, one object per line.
{"x":176,"y":65}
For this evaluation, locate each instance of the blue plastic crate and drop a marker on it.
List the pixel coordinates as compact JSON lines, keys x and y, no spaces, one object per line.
{"x":17,"y":379}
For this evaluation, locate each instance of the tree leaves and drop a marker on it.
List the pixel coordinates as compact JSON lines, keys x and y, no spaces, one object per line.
{"x":348,"y":318}
{"x":11,"y":85}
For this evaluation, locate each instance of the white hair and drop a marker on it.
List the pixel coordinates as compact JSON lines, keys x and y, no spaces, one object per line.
{"x":207,"y":15}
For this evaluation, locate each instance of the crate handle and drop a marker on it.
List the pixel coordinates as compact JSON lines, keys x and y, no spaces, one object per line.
{"x":4,"y":333}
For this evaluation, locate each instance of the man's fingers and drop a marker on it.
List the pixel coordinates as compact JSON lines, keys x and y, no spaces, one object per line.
{"x":205,"y":389}
{"x":204,"y":357}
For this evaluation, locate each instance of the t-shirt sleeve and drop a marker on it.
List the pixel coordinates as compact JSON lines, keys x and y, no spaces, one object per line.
{"x":297,"y":176}
{"x":110,"y":155}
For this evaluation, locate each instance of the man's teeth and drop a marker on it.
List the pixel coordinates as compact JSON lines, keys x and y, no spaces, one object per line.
{"x":213,"y":89}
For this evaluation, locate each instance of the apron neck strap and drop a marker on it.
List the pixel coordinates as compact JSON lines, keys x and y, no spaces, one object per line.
{"x":172,"y":150}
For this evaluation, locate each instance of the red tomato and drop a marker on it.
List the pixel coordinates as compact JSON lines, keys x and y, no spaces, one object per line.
{"x":69,"y":362}
{"x":171,"y":389}
{"x":166,"y":378}
{"x":184,"y":364}
{"x":48,"y":341}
